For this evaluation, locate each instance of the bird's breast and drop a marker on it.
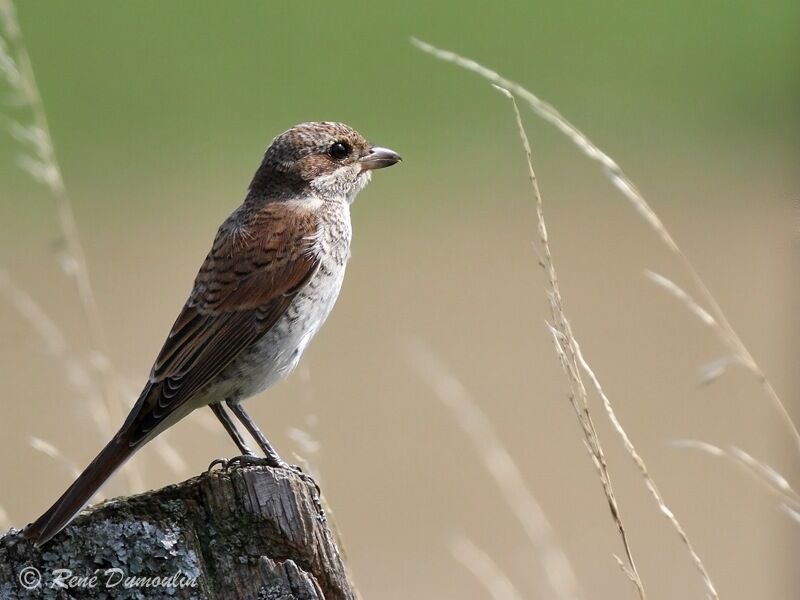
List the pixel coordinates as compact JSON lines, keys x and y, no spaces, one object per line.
{"x":277,"y":353}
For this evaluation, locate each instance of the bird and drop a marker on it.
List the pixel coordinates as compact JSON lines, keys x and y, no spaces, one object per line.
{"x":267,"y":285}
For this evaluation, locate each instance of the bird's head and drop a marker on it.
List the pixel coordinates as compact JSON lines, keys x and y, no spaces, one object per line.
{"x":328,"y":160}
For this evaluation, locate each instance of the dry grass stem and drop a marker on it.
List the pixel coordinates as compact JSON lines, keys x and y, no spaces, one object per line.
{"x":51,"y":451}
{"x":794,"y":514}
{"x":678,"y":292}
{"x":168,"y":453}
{"x":107,"y":400}
{"x":306,"y":443}
{"x":621,"y":181}
{"x":484,"y":569}
{"x":648,"y":480}
{"x":765,"y":475}
{"x":569,"y":352}
{"x":41,"y":163}
{"x":76,"y":370}
{"x":560,"y":576}
{"x":715,"y":369}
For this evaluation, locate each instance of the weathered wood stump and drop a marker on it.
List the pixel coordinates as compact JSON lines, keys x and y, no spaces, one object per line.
{"x":251,"y":533}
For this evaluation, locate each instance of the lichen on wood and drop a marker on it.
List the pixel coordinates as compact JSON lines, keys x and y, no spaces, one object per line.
{"x":245,"y":533}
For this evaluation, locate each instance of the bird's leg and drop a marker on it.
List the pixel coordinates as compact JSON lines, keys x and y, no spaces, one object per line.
{"x":230,"y":427}
{"x":273,"y":460}
{"x":248,"y":458}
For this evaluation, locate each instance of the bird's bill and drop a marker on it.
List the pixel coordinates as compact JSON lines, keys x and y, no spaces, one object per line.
{"x":378,"y":158}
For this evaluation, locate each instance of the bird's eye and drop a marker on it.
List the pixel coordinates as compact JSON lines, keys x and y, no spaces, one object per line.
{"x":339,"y":150}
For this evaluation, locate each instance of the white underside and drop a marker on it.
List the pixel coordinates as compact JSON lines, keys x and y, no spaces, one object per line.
{"x":276,"y":354}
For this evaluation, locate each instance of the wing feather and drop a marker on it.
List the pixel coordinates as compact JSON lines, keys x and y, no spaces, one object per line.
{"x":258,"y":263}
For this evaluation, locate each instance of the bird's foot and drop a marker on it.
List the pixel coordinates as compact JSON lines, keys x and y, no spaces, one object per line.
{"x":217,"y":462}
{"x":244,"y":460}
{"x":251,"y":460}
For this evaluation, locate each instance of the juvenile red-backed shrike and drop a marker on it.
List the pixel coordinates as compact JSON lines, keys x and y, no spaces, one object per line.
{"x":266,"y":287}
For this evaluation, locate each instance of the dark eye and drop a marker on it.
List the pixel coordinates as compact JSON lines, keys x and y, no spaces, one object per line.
{"x":339,"y":150}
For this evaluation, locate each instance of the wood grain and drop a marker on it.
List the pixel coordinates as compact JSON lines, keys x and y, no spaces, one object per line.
{"x":244,"y":534}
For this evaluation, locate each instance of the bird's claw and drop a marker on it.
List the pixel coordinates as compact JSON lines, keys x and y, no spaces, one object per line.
{"x":221,"y":462}
{"x":245,"y":460}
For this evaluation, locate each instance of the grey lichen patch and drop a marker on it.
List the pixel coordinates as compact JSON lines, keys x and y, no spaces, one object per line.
{"x":216,"y":529}
{"x":102,"y":559}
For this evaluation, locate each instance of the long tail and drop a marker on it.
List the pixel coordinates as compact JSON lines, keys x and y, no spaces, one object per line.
{"x":116,"y":452}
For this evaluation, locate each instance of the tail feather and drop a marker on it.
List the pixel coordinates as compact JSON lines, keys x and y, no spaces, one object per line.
{"x":77,"y":496}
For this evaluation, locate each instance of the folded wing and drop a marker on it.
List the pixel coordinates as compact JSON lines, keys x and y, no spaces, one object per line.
{"x":248,"y":280}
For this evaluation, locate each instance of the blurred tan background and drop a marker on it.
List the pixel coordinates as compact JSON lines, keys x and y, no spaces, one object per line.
{"x":160,"y":113}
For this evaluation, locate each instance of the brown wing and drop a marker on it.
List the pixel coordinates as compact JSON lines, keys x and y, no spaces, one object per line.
{"x":257,"y":265}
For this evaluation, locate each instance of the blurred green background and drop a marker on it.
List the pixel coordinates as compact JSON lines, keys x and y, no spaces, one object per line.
{"x":160,"y":112}
{"x":136,"y":90}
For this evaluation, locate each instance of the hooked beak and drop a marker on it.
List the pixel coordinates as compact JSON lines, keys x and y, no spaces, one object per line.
{"x":378,"y":158}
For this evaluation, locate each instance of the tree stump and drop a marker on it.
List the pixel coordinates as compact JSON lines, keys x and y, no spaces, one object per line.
{"x":250,"y":533}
